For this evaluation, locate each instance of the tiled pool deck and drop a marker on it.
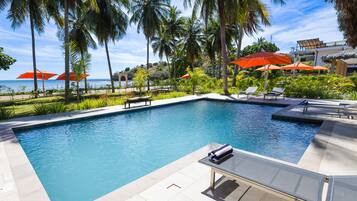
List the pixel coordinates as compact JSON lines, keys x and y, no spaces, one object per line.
{"x":332,"y":151}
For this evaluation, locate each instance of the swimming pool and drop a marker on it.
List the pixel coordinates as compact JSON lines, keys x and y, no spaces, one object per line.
{"x":86,"y":159}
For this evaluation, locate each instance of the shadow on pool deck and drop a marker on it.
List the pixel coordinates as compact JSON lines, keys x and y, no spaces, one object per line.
{"x":230,"y":190}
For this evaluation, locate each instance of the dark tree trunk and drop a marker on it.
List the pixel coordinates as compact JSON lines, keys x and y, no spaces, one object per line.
{"x":85,"y":72}
{"x":169,"y":68}
{"x":35,"y":87}
{"x":77,"y":91}
{"x":66,"y":52}
{"x":109,"y":66}
{"x":219,"y":67}
{"x":223,"y":45}
{"x":147,"y":62}
{"x":239,"y":46}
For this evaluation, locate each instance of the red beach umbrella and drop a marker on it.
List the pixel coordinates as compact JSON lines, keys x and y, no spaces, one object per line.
{"x":261,"y":59}
{"x":41,"y":75}
{"x":72,"y":76}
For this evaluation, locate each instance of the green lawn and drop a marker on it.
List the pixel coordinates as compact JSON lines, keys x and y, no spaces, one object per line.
{"x":56,"y":104}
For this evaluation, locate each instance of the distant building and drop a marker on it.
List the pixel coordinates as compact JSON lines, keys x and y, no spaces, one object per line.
{"x":315,"y":50}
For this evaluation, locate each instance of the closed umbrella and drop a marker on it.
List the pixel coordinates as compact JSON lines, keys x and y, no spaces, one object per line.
{"x":41,"y":75}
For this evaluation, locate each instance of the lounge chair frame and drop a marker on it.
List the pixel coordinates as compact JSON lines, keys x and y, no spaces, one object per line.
{"x":249,"y":183}
{"x":277,"y":168}
{"x":276,"y":92}
{"x":248,"y":91}
{"x":341,"y":109}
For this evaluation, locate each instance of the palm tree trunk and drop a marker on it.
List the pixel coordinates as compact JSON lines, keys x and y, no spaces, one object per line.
{"x":77,"y":91}
{"x":239,"y":46}
{"x":147,"y":62}
{"x":85,"y":79}
{"x":66,"y":52}
{"x":110,"y":67}
{"x":168,"y":65}
{"x":35,"y":87}
{"x":219,"y":67}
{"x":223,"y":45}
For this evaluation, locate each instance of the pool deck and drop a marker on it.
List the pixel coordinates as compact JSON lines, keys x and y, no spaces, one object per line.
{"x":332,"y":151}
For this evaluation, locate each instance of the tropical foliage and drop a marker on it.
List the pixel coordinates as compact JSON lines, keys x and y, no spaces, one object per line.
{"x":5,"y":60}
{"x":260,"y":45}
{"x":140,"y":77}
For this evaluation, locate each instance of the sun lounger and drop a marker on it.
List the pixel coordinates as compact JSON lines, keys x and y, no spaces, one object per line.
{"x":146,"y":99}
{"x":280,"y":178}
{"x":341,"y":109}
{"x":276,"y":92}
{"x":342,"y":188}
{"x":248,"y":91}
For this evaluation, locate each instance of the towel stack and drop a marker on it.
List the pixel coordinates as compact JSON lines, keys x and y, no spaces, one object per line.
{"x":218,"y":155}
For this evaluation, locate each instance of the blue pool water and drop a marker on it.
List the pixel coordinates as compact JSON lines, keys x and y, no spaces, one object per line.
{"x":86,"y":159}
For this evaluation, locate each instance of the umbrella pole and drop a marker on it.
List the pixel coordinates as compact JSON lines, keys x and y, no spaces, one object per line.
{"x":266,"y":80}
{"x":43,"y":85}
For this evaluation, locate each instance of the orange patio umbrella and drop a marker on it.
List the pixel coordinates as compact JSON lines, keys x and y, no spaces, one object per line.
{"x":41,"y":75}
{"x":297,"y":66}
{"x":72,"y":76}
{"x":186,"y":76}
{"x":268,"y":67}
{"x":320,"y":68}
{"x":261,"y":59}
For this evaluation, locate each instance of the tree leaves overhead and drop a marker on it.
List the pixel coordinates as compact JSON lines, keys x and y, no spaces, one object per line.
{"x":5,"y":60}
{"x":111,"y":21}
{"x":347,"y":19}
{"x":148,"y":15}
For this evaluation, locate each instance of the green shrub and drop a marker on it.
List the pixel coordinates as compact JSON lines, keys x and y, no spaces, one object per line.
{"x":41,"y":109}
{"x":6,"y":113}
{"x":57,"y":108}
{"x":324,"y":86}
{"x":169,"y":95}
{"x":92,"y":103}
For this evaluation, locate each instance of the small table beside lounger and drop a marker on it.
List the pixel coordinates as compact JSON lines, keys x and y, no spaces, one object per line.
{"x":146,"y":99}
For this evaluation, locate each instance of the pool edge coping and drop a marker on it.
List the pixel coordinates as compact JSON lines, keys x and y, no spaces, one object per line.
{"x":20,"y":164}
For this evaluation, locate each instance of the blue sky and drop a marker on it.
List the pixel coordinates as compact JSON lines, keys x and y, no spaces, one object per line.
{"x":298,"y":19}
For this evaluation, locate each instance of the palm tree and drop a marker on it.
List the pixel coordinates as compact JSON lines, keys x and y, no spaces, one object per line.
{"x":80,"y":36}
{"x":110,"y":24}
{"x":213,"y":41}
{"x":227,"y":13}
{"x":174,"y":27}
{"x":18,"y":13}
{"x":79,"y":66}
{"x":149,"y":15}
{"x":67,"y":5}
{"x":251,"y":15}
{"x":163,"y":44}
{"x":192,"y":40}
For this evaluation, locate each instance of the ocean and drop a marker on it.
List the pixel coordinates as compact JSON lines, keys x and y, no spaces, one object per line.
{"x":27,"y":85}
